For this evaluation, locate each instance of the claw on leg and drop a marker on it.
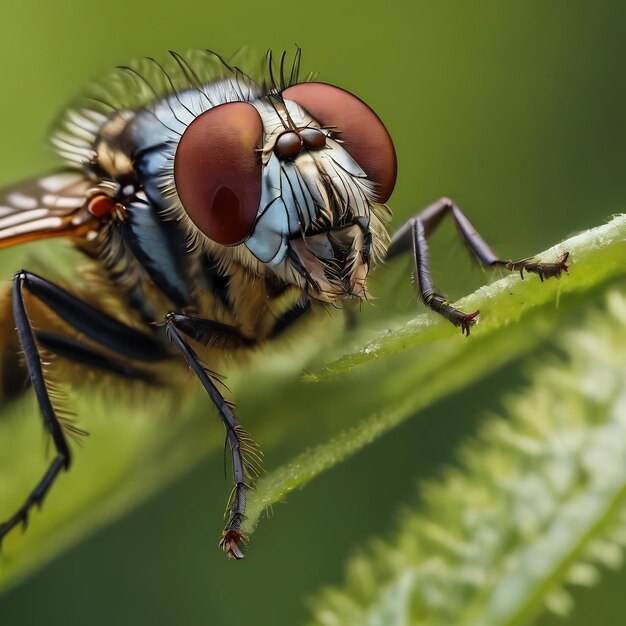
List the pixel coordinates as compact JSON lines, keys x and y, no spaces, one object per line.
{"x":230,"y":543}
{"x":461,"y":320}
{"x":467,"y":321}
{"x":543,"y":269}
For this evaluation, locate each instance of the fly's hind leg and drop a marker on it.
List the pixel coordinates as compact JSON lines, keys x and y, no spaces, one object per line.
{"x":99,"y":327}
{"x":414,"y":234}
{"x":245,"y":454}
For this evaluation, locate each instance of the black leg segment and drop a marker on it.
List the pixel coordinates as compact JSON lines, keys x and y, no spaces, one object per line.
{"x":78,"y":352}
{"x":414,"y":234}
{"x":51,"y":421}
{"x":95,"y":324}
{"x":245,"y":455}
{"x":210,"y":333}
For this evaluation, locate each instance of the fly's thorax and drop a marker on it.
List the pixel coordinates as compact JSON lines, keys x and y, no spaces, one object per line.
{"x":113,"y":150}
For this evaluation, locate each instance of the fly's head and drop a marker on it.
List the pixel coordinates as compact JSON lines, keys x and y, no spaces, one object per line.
{"x":292,"y":183}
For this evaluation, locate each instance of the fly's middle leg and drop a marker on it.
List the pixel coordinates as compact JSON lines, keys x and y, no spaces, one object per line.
{"x":414,"y":234}
{"x":245,"y":455}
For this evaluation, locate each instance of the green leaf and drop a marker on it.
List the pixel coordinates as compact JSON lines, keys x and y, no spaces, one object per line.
{"x":516,"y":316}
{"x":143,"y":439}
{"x":595,"y":256}
{"x":538,"y":504}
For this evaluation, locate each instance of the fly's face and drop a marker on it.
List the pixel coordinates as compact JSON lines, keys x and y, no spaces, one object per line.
{"x":291,"y":183}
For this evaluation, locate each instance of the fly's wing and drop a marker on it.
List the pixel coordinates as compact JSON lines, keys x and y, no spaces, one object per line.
{"x":50,"y":206}
{"x":40,"y":208}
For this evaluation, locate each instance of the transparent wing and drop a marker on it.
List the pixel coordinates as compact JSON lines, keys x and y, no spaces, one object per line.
{"x":50,"y":206}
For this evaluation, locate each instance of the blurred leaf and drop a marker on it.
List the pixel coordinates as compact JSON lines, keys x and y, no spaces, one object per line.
{"x":537,"y":505}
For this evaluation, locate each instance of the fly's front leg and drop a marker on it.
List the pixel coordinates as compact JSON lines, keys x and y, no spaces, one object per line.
{"x":245,"y":455}
{"x":51,"y":422}
{"x":414,"y":234}
{"x":122,"y":340}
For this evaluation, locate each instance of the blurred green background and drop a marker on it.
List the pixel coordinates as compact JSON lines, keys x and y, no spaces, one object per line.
{"x":515,"y":110}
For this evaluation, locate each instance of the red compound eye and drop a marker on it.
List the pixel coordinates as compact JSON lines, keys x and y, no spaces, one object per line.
{"x":363,"y":134}
{"x":217,"y":171}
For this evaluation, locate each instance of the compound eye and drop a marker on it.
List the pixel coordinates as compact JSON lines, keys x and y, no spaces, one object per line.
{"x":217,"y":171}
{"x":363,"y":134}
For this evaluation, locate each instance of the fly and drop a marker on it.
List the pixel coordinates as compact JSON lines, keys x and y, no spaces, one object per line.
{"x":218,"y":209}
